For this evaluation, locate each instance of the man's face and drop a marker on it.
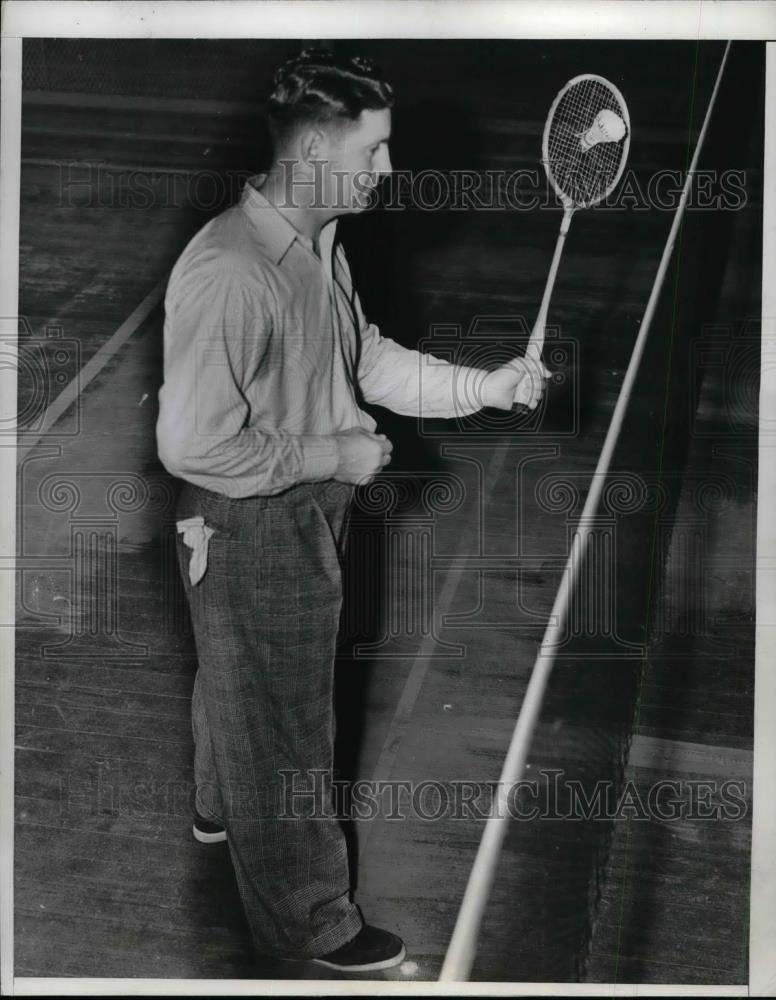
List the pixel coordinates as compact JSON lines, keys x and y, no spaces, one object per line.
{"x":357,"y":157}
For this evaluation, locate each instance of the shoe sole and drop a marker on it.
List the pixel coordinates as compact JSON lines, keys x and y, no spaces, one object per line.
{"x":386,"y":963}
{"x":208,"y":838}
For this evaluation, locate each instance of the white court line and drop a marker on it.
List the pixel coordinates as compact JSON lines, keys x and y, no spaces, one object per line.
{"x":91,"y":370}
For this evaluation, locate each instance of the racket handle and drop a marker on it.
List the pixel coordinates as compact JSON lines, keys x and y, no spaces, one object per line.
{"x":536,"y":340}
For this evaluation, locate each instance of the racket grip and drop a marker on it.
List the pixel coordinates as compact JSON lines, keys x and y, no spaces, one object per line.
{"x":535,"y":344}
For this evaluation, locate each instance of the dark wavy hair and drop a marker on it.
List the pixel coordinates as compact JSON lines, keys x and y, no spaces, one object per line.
{"x":318,"y":87}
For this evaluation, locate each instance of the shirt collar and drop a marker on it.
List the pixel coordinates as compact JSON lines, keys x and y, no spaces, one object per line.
{"x":275,"y":232}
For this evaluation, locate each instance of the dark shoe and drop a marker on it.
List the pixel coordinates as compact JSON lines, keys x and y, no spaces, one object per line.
{"x":208,"y":832}
{"x":371,"y":949}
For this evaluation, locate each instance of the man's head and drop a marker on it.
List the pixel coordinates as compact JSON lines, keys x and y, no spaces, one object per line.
{"x":330,"y":116}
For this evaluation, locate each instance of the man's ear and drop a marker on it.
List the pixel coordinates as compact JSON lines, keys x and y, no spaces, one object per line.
{"x":312,"y":145}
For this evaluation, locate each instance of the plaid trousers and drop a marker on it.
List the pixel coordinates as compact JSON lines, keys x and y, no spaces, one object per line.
{"x":266,"y":617}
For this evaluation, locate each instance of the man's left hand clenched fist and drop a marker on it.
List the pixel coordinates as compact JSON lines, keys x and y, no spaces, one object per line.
{"x":521,"y":380}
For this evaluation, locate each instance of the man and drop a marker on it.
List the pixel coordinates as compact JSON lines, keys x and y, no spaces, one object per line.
{"x":266,"y":352}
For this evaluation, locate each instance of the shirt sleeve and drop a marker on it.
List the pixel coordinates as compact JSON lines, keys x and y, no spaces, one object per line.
{"x":216,"y":334}
{"x":413,"y":383}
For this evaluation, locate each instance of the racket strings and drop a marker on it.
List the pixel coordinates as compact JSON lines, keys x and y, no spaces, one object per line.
{"x":584,"y":176}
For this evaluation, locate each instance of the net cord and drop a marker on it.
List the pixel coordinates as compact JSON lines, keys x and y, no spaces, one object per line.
{"x":463,"y":943}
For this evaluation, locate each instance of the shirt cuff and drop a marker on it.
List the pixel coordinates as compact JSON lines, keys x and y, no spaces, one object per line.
{"x":449,"y":390}
{"x":320,"y":458}
{"x":468,"y":390}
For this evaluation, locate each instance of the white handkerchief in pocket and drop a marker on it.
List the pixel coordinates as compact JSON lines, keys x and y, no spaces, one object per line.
{"x":196,"y":535}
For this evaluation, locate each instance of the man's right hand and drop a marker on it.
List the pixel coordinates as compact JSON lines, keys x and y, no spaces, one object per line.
{"x":361,"y":455}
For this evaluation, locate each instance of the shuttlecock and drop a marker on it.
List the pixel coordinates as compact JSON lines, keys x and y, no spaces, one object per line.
{"x":607,"y":127}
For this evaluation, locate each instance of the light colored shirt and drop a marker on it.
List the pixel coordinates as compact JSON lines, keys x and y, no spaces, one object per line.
{"x":264,"y":342}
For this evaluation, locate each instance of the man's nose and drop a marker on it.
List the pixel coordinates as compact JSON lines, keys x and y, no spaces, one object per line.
{"x":384,"y":165}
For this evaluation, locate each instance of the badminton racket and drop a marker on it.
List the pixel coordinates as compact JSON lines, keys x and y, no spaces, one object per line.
{"x":584,"y":149}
